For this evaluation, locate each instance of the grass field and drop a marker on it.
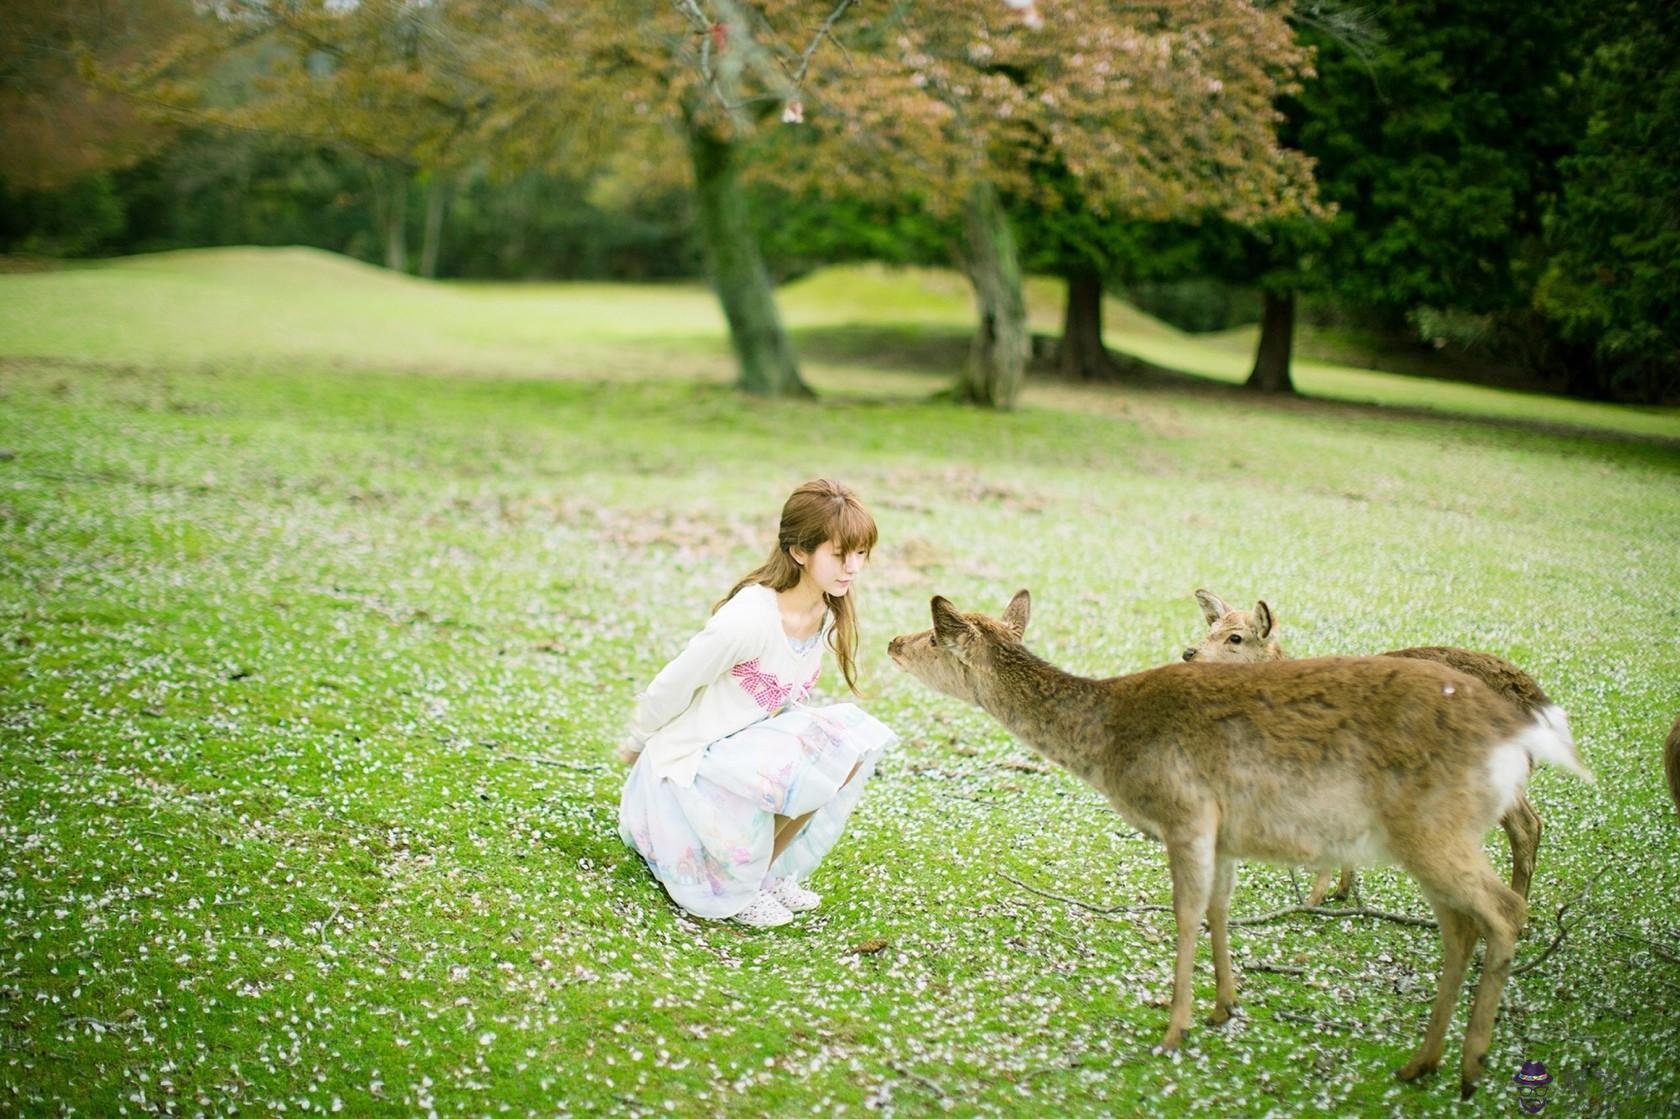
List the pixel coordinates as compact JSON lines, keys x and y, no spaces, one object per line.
{"x":325,"y":592}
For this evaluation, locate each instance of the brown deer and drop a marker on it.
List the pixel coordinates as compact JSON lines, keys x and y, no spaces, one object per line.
{"x":1671,"y":762}
{"x":1247,"y":636}
{"x":1340,"y":759}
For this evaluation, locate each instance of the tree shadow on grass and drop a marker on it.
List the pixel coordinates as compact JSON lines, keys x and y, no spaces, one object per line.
{"x":945,"y":350}
{"x":940,"y":353}
{"x":921,"y":349}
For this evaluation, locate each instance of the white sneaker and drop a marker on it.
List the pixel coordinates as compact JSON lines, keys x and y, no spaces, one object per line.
{"x":764,"y":912}
{"x":794,"y":896}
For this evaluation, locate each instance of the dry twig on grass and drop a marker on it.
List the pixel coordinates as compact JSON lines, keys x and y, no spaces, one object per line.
{"x":1562,"y":929}
{"x":1257,"y":919}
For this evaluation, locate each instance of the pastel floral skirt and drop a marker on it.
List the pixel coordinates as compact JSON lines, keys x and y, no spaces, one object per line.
{"x":709,"y":844}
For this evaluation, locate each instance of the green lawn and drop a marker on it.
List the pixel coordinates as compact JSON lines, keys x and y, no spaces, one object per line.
{"x":325,"y":593}
{"x":878,"y":331}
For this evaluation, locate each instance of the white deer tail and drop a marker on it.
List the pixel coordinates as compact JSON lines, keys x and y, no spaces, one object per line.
{"x":1550,"y":741}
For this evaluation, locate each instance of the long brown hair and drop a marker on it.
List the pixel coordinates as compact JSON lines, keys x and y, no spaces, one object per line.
{"x":817,"y":512}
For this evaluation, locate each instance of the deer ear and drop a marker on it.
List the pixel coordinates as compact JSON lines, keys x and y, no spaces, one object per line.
{"x":1263,"y":620}
{"x":1015,"y":615}
{"x":1213,"y":607}
{"x":949,"y":627}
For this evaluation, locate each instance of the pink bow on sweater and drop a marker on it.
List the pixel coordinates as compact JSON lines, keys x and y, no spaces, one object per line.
{"x":765,"y":689}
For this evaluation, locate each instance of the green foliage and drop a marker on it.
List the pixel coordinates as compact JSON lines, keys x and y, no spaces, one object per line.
{"x":1060,"y":235}
{"x":551,"y":225}
{"x":59,"y":123}
{"x":1437,"y":144}
{"x":217,"y":188}
{"x":1435,"y":131}
{"x":1480,"y":170}
{"x":1198,"y":305}
{"x":800,"y":233}
{"x":78,"y":220}
{"x":1610,"y":282}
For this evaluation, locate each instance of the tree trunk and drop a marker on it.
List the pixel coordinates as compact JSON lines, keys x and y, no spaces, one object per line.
{"x":1277,"y":338}
{"x":437,"y":206}
{"x":762,"y":348}
{"x":1082,"y":353}
{"x":390,"y":210}
{"x":997,"y":361}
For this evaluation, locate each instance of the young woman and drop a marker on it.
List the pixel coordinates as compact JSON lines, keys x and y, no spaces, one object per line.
{"x":738,"y":789}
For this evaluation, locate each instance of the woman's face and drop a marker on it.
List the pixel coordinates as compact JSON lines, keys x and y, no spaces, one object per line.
{"x":830,"y":568}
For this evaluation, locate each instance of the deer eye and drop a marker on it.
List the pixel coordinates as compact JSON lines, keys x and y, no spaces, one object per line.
{"x":1235,"y":639}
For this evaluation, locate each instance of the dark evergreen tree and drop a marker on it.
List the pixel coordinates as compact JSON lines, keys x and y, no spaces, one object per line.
{"x":1610,"y":285}
{"x":1436,"y":130}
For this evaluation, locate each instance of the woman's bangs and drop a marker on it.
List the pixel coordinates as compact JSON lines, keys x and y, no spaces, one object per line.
{"x":854,"y":528}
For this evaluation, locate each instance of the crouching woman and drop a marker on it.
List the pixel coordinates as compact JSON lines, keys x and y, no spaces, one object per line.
{"x":738,"y":789}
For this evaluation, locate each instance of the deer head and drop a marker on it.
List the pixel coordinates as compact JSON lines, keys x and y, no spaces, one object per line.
{"x":1237,"y":636}
{"x":947,"y":657}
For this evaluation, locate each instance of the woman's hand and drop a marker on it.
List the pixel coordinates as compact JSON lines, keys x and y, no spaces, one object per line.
{"x":628,"y":750}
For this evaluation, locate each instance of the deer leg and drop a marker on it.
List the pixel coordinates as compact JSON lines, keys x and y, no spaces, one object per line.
{"x":1321,"y":887}
{"x":1501,"y":914}
{"x":1458,"y":940}
{"x":1219,"y":910}
{"x":1191,"y":862}
{"x":1522,"y":825}
{"x":1345,"y":886}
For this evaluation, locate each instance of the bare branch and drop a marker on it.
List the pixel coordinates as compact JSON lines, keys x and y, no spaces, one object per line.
{"x":559,"y":763}
{"x":1257,"y":919}
{"x":1106,"y":911}
{"x":744,"y":51}
{"x":1562,"y":929}
{"x":1328,"y":911}
{"x":1309,"y":1020}
{"x":1350,"y":26}
{"x":1661,"y":951}
{"x":906,"y":1071}
{"x":826,"y":31}
{"x":1275,"y":969}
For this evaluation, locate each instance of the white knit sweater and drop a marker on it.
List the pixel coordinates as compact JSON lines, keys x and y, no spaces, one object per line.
{"x":741,"y":668}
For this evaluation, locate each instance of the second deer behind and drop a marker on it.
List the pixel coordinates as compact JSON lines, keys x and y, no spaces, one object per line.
{"x":1249,"y":636}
